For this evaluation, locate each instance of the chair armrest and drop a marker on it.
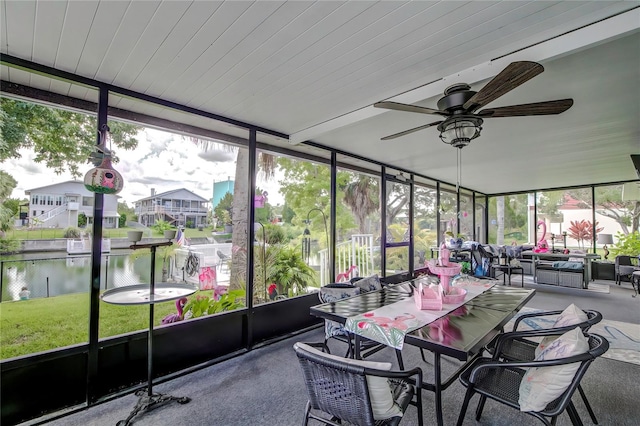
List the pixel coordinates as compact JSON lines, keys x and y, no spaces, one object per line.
{"x":533,"y":315}
{"x":398,"y":374}
{"x":483,"y":364}
{"x":319,"y":345}
{"x":503,"y":338}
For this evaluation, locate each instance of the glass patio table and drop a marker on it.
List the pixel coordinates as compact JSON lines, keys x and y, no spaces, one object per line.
{"x":460,"y":334}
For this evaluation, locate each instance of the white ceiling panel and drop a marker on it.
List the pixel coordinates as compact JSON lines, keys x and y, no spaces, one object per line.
{"x":182,"y":67}
{"x":314,"y":69}
{"x":129,"y":27}
{"x":47,"y":31}
{"x":155,"y":30}
{"x":176,"y":38}
{"x":78,"y":22}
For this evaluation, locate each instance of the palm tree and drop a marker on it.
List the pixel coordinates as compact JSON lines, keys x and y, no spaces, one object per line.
{"x":266,"y":165}
{"x":361,"y":197}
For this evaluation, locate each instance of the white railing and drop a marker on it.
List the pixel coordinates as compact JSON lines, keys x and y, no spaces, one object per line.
{"x":170,"y":210}
{"x":358,"y":252}
{"x":50,"y":214}
{"x":83,"y":246}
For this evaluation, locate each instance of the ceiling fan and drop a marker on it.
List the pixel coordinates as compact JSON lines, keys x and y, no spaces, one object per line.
{"x":462,"y":121}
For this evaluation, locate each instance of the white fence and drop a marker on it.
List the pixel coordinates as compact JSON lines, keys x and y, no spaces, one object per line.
{"x":358,"y":252}
{"x":83,"y":246}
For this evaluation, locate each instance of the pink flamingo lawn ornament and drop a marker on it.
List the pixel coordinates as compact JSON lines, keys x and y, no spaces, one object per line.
{"x":207,"y":278}
{"x":542,"y":246}
{"x":176,"y":317}
{"x":346,"y":276}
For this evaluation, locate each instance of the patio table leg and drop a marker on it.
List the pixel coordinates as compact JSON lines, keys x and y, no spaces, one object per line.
{"x":438,"y":387}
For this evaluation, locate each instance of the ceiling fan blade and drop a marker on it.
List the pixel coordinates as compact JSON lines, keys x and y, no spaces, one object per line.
{"x":408,"y":108}
{"x":406,"y":132}
{"x":538,"y":108}
{"x":515,"y":74}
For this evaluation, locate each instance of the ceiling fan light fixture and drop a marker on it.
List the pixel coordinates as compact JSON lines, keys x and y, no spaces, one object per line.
{"x":460,"y":131}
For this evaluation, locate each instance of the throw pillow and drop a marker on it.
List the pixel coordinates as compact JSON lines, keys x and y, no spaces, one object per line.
{"x":329,"y":294}
{"x":542,"y":385}
{"x":514,"y":252}
{"x":572,"y":315}
{"x":332,"y":293}
{"x":371,"y":283}
{"x":382,"y":403}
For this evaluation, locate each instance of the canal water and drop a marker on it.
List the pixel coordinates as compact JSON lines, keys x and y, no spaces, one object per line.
{"x":54,"y":274}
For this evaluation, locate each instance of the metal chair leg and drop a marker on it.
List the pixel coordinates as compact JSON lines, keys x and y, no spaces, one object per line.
{"x":573,"y":415}
{"x":480,"y":407}
{"x":307,"y":410}
{"x":586,"y":403}
{"x":465,"y":404}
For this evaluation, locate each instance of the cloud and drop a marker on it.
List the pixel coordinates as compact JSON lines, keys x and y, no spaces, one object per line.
{"x":161,"y":161}
{"x":217,"y":156}
{"x":156,"y":181}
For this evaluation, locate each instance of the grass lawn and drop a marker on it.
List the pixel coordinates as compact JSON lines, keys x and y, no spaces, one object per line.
{"x":29,"y":326}
{"x":52,"y":233}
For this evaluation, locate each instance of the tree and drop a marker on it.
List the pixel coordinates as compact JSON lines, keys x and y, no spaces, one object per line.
{"x":361,"y":196}
{"x":7,"y":212}
{"x":128,"y":212}
{"x":7,"y":185}
{"x":225,"y":206}
{"x":238,"y":213}
{"x":61,"y":139}
{"x":396,"y":200}
{"x":609,"y":203}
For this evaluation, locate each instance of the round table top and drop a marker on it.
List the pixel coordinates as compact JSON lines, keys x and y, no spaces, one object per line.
{"x":140,"y":294}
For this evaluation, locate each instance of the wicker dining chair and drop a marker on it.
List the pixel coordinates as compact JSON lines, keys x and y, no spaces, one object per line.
{"x":500,"y":381}
{"x":347,"y":390}
{"x":517,"y":346}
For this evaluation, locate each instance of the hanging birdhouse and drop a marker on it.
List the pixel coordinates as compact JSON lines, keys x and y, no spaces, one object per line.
{"x":104,"y":179}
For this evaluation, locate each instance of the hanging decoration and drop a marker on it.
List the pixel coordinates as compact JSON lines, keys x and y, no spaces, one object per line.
{"x":104,"y":179}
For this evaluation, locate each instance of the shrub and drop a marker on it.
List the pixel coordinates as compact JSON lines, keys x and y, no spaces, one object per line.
{"x":160,"y":226}
{"x":9,"y":245}
{"x":71,"y":232}
{"x":82,"y":220}
{"x":627,"y":244}
{"x":205,"y":305}
{"x":275,"y":234}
